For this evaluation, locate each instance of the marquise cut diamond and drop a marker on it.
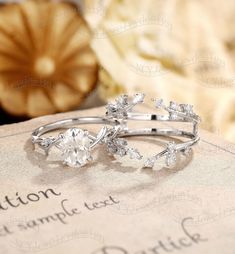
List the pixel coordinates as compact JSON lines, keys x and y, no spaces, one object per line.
{"x":134,"y":154}
{"x":123,"y":104}
{"x":171,"y":155}
{"x":159,"y":103}
{"x":138,"y":98}
{"x":149,"y":163}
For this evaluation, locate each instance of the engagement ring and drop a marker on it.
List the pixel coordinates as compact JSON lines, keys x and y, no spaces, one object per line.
{"x":75,"y":144}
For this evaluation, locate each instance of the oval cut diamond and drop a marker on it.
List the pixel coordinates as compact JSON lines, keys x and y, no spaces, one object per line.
{"x":75,"y":146}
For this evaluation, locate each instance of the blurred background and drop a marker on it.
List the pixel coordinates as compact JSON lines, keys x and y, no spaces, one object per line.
{"x":58,"y":56}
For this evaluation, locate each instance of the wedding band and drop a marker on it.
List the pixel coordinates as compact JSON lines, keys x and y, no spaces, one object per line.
{"x":122,"y":108}
{"x":76,"y":144}
{"x":171,"y":148}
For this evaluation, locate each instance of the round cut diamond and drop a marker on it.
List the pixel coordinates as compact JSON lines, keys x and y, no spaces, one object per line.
{"x":75,"y":146}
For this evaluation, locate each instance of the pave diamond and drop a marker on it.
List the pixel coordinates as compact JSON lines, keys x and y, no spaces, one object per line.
{"x":46,"y":142}
{"x":122,"y":105}
{"x":187,"y":151}
{"x":122,"y":100}
{"x":173,"y":115}
{"x":149,"y":163}
{"x":171,"y":155}
{"x":134,"y":154}
{"x":173,"y":105}
{"x":187,"y":108}
{"x":75,"y":146}
{"x":171,"y":160}
{"x":117,"y":146}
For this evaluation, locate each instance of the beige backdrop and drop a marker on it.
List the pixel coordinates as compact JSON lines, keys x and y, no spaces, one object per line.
{"x":174,"y":49}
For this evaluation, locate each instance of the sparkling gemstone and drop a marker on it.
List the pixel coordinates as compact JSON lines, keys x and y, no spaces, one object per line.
{"x":171,"y":155}
{"x":121,"y":151}
{"x":187,"y":151}
{"x":149,"y":163}
{"x":173,"y":115}
{"x":111,"y":146}
{"x":171,"y":146}
{"x":186,"y":108}
{"x":171,"y":159}
{"x":46,"y":142}
{"x":159,"y":103}
{"x":122,"y":100}
{"x":116,"y":111}
{"x":34,"y":139}
{"x":182,"y":107}
{"x":189,"y":109}
{"x":138,"y":98}
{"x":134,"y":154}
{"x":173,"y":105}
{"x":111,"y":109}
{"x":121,"y":142}
{"x":75,"y":147}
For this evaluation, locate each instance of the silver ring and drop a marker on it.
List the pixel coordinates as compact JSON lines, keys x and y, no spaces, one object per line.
{"x":76,"y":144}
{"x":122,"y":109}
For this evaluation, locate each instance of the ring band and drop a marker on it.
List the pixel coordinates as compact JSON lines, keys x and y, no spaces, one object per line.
{"x":176,"y":113}
{"x":171,"y":150}
{"x":76,"y":144}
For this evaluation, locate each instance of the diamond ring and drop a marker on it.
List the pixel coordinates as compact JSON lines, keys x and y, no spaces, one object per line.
{"x":122,"y":110}
{"x":171,"y":150}
{"x":75,"y":144}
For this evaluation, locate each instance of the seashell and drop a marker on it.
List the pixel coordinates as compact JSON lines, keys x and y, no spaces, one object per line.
{"x":46,"y":63}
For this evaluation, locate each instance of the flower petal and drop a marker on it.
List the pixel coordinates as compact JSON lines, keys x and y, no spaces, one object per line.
{"x":64,"y":97}
{"x":14,"y":101}
{"x":38,"y":103}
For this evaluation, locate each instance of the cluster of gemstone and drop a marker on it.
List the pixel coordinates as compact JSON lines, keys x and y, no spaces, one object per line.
{"x":150,"y":162}
{"x":122,"y":105}
{"x":170,"y":156}
{"x":119,"y":110}
{"x":44,"y":143}
{"x":119,"y":146}
{"x":176,"y":110}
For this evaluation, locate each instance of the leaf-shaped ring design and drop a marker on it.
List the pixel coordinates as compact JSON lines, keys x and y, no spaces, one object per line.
{"x":76,"y":144}
{"x":122,"y":110}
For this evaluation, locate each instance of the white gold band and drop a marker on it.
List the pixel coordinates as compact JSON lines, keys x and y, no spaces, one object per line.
{"x":76,"y":144}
